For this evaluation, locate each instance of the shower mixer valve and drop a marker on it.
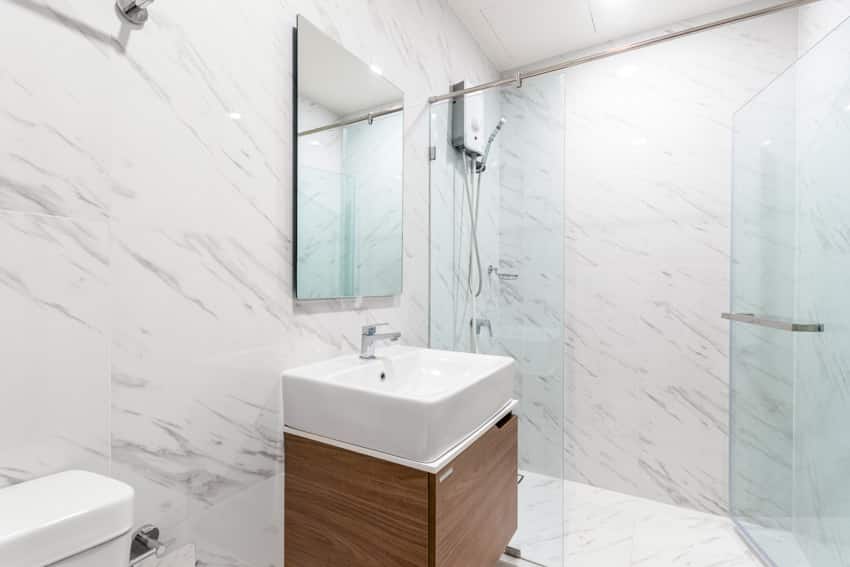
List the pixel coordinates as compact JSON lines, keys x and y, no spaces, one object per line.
{"x":494,"y":270}
{"x":482,"y":324}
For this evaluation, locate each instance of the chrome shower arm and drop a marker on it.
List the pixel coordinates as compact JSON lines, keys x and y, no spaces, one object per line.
{"x":133,"y":11}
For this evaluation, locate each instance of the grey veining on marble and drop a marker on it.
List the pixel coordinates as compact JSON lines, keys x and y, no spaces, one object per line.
{"x":147,"y":261}
{"x":605,"y":528}
{"x":54,"y":343}
{"x":646,"y":177}
{"x":649,"y":172}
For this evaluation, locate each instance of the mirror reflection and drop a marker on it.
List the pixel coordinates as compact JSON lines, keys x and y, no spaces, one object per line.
{"x":348,"y":201}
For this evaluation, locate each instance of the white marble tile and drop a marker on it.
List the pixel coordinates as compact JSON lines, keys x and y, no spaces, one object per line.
{"x":195,"y":317}
{"x":689,"y":541}
{"x":54,"y":343}
{"x":648,"y":161}
{"x":603,"y":527}
{"x":54,"y":160}
{"x":598,"y":526}
{"x":195,"y":364}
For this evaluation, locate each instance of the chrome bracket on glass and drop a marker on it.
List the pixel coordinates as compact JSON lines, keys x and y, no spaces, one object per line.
{"x":753,"y":319}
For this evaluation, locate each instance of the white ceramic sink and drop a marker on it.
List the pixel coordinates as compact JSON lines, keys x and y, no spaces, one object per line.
{"x":411,"y":403}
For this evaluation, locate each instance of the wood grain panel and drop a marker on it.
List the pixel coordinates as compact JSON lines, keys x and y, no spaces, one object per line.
{"x":474,"y":508}
{"x":343,"y":509}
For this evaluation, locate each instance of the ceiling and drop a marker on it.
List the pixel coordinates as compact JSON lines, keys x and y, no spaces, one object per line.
{"x":336,"y":79}
{"x":515,"y":34}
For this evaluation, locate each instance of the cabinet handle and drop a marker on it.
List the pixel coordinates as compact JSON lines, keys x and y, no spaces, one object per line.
{"x":504,"y":421}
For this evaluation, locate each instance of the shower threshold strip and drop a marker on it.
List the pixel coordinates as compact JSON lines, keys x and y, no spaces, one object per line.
{"x":753,"y":319}
{"x":515,"y":553}
{"x":752,"y":544}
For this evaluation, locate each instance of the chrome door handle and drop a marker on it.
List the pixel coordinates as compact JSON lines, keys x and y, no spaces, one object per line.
{"x":753,"y":319}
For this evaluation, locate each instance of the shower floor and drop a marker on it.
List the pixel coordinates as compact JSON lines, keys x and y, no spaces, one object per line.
{"x":606,"y":528}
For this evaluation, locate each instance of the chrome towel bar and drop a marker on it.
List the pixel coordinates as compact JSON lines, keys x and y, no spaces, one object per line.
{"x":753,"y":319}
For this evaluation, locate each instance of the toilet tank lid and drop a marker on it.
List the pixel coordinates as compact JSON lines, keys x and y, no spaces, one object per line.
{"x":46,"y":520}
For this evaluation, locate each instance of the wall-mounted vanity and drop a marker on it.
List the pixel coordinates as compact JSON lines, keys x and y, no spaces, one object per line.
{"x":349,"y":123}
{"x":409,"y":460}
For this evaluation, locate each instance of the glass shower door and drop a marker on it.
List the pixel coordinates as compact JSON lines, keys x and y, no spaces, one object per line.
{"x":520,"y":310}
{"x":790,"y":368}
{"x":763,"y":285}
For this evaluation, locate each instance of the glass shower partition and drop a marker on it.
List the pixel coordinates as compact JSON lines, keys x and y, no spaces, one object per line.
{"x":520,"y":311}
{"x":790,"y":336}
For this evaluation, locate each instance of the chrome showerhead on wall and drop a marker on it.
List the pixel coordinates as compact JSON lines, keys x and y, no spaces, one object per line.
{"x":133,"y":11}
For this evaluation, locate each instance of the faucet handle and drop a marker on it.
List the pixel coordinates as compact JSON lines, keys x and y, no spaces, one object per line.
{"x":369,"y":330}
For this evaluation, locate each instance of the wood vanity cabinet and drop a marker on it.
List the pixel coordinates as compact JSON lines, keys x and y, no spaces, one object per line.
{"x":346,"y":509}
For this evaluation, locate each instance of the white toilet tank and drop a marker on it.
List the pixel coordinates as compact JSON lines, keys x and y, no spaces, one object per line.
{"x":70,"y":519}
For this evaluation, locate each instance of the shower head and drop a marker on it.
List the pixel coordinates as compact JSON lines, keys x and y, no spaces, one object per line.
{"x":134,"y":12}
{"x":481,"y":165}
{"x":495,"y":133}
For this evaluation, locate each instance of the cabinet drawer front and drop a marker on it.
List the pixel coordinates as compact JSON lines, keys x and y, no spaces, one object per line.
{"x":474,"y":501}
{"x":343,"y":509}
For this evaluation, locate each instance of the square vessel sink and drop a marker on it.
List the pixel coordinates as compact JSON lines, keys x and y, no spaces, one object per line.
{"x":411,"y":403}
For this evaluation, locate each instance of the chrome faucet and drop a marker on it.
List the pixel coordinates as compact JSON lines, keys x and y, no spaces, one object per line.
{"x":370,"y":336}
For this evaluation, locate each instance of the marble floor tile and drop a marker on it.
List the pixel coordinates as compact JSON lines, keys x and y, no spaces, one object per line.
{"x":606,"y":528}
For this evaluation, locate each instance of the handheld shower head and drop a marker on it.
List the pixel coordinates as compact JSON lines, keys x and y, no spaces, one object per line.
{"x":482,"y":163}
{"x":498,"y":128}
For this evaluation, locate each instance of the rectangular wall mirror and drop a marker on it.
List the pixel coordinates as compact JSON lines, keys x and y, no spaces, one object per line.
{"x":348,"y":172}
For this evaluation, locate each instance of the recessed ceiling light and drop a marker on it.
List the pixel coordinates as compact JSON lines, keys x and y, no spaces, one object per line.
{"x":767,"y":142}
{"x":315,"y":143}
{"x":234,"y":115}
{"x":375,"y":69}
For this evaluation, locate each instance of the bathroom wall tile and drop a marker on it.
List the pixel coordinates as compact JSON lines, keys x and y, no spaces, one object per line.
{"x":196,"y":365}
{"x":243,"y":530}
{"x":53,"y":160}
{"x":648,"y":162}
{"x":203,"y":319}
{"x":54,"y":343}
